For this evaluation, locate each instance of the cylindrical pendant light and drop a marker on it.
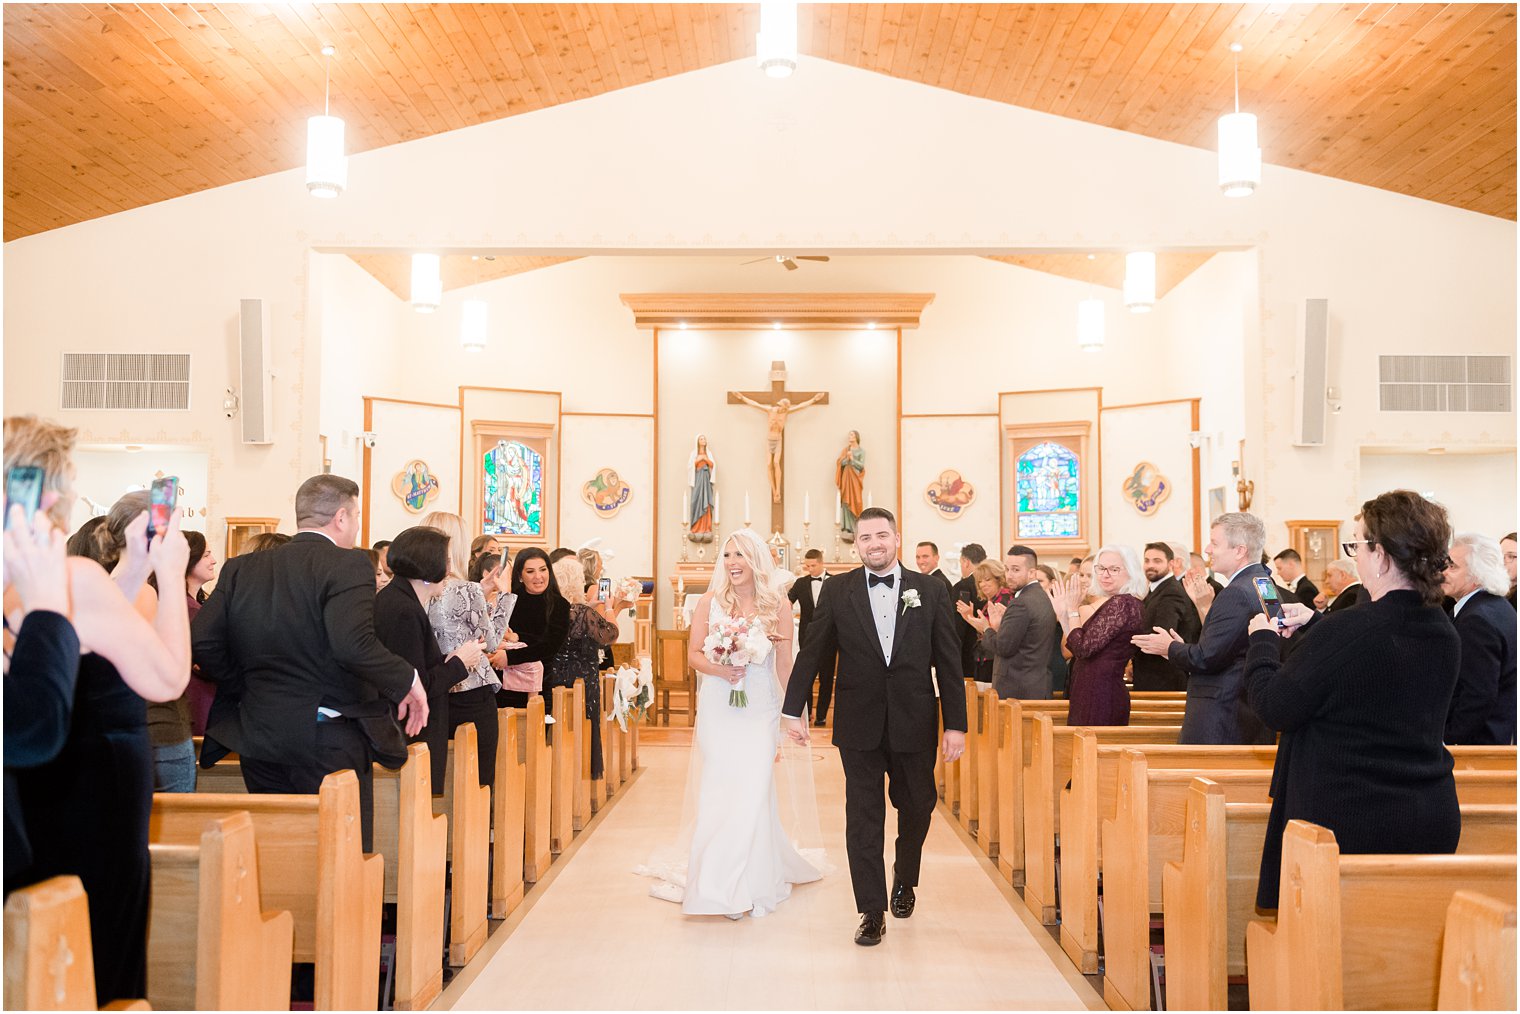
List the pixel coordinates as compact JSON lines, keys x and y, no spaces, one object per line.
{"x":326,"y":165}
{"x":1239,"y":157}
{"x":427,"y":282}
{"x":472,"y":324}
{"x":1090,"y":325}
{"x":1140,"y":281}
{"x":776,"y":42}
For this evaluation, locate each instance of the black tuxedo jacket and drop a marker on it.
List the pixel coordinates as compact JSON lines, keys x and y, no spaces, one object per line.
{"x":1169,"y":608}
{"x":1351,"y":596}
{"x":1306,"y":593}
{"x":294,"y":628}
{"x":875,"y":702}
{"x":1217,"y":711}
{"x":964,"y":590}
{"x":1483,"y":704}
{"x":801,"y":592}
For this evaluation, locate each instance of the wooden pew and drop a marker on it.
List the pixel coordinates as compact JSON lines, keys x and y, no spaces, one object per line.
{"x":470,"y":849}
{"x":210,"y":945}
{"x":507,"y":806}
{"x":1158,"y":695}
{"x":49,"y":963}
{"x":967,"y":765}
{"x":538,"y":771}
{"x":1010,"y":791}
{"x":226,"y":775}
{"x":613,"y":738}
{"x":985,"y":726}
{"x":594,"y":789}
{"x":580,"y":742}
{"x":414,"y":842}
{"x":1210,"y":894}
{"x":311,"y":862}
{"x":564,"y":746}
{"x":1478,"y":954}
{"x":1146,"y":832}
{"x":1361,"y":932}
{"x":1048,"y":752}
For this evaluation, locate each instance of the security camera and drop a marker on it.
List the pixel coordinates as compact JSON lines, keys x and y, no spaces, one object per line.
{"x":370,"y":439}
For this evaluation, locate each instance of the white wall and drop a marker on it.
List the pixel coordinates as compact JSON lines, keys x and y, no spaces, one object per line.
{"x":1478,"y":490}
{"x":361,"y":352}
{"x":1400,"y":274}
{"x":1158,"y":434}
{"x":103,"y":474}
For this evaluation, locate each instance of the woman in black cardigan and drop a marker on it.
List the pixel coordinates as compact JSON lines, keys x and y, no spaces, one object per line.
{"x":420,"y":562}
{"x":540,"y":621}
{"x":1361,"y":702}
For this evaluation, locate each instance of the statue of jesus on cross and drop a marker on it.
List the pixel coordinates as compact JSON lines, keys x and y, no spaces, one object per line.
{"x":777,"y":404}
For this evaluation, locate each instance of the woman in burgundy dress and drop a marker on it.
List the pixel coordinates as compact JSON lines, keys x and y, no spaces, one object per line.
{"x":1097,"y":636}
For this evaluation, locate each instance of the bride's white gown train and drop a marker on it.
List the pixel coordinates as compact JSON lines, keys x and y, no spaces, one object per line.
{"x":741,"y":859}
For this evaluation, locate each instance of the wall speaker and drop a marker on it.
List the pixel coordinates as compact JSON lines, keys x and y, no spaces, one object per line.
{"x":253,"y":361}
{"x":1310,"y":392}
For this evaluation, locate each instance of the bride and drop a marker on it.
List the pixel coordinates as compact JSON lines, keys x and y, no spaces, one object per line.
{"x":740,"y":859}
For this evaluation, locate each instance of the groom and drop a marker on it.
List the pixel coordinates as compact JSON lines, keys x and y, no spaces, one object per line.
{"x":890,"y":626}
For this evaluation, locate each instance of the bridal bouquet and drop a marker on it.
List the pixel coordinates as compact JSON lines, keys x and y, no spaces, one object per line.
{"x":736,"y":641}
{"x":633,"y":692}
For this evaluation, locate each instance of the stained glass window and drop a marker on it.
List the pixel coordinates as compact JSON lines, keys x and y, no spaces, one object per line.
{"x":514,"y":490}
{"x":1049,"y":492}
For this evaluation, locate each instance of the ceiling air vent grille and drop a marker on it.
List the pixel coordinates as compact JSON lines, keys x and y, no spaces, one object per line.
{"x":1445,"y":384}
{"x":130,"y":381}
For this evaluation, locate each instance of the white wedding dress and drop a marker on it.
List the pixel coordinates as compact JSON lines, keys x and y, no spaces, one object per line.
{"x":740,"y":858}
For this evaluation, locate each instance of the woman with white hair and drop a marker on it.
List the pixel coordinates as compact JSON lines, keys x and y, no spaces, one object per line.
{"x":1098,"y":636}
{"x":740,"y":858}
{"x":1482,"y":708}
{"x":579,"y":656}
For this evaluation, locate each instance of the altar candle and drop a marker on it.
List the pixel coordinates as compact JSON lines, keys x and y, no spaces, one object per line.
{"x":807,"y":510}
{"x":869,"y":501}
{"x":717,"y":503}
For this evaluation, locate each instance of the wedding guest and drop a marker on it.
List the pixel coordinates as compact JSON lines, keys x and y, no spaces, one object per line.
{"x":1341,"y":580}
{"x":1361,"y":704}
{"x":419,"y":559}
{"x":201,"y":692}
{"x":926,"y":559}
{"x":381,"y":577}
{"x":1482,"y":710}
{"x":559,"y":553}
{"x":578,"y":657}
{"x":264,"y":542}
{"x":804,"y":594}
{"x":972,"y":554}
{"x":991,"y":579}
{"x":382,"y":548}
{"x":1046,"y":575}
{"x":485,"y":563}
{"x":1023,"y":632}
{"x":85,"y":811}
{"x":1098,"y":637}
{"x":1507,"y":544}
{"x":460,"y":615}
{"x":1166,"y":606}
{"x":1295,"y":584}
{"x":483,"y":544}
{"x":1060,"y":666}
{"x":172,"y":723}
{"x":540,"y":620}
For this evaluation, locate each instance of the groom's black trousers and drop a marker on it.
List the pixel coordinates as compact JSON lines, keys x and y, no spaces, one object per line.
{"x":910,"y":784}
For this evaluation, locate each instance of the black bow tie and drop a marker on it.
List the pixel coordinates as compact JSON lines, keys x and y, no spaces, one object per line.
{"x":816,"y":577}
{"x":872,"y":580}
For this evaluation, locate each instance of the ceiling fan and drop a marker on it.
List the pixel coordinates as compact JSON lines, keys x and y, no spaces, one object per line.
{"x":788,"y":261}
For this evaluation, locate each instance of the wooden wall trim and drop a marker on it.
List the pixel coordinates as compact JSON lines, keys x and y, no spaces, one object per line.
{"x":753,"y":311}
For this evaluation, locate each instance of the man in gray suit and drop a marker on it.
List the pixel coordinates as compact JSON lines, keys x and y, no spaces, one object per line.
{"x":1217,"y":712}
{"x":1022,"y":634}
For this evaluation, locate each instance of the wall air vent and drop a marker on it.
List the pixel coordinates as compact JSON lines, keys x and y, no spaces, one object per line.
{"x":1445,"y":384}
{"x":130,"y":381}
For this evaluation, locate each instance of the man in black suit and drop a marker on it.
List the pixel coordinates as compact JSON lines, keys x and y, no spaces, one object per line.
{"x":889,"y":626}
{"x":1166,"y":607}
{"x":1024,"y":633}
{"x":804,"y":594}
{"x":1342,"y":582}
{"x":1294,"y":583}
{"x":1217,"y":712}
{"x":926,"y":558}
{"x":964,"y":590}
{"x":1482,"y":708}
{"x":293,"y":629}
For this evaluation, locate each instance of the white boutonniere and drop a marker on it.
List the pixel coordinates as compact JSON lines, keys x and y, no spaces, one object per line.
{"x":910,"y":599}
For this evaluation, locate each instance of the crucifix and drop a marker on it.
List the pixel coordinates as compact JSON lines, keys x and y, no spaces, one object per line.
{"x":777,"y":404}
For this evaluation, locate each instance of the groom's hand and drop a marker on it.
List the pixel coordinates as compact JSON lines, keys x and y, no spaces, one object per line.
{"x":954,"y":745}
{"x":797,"y":729}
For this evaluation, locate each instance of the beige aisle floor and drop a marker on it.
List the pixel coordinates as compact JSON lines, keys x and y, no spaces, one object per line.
{"x":594,"y":939}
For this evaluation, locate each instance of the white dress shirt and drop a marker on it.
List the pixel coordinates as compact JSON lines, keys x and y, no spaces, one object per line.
{"x":1463,"y":601}
{"x":884,"y":608}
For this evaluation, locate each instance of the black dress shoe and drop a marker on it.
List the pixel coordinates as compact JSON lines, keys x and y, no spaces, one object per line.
{"x":903,"y":899}
{"x":872,"y":927}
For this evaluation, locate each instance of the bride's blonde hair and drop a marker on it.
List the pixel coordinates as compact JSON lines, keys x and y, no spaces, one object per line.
{"x":768,"y":592}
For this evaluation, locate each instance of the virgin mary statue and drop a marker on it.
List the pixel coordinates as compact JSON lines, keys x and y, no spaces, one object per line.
{"x":701,"y":501}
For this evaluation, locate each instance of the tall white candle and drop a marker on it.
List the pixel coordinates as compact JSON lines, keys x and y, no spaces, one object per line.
{"x":717,"y":503}
{"x":869,"y":501}
{"x":807,"y":508}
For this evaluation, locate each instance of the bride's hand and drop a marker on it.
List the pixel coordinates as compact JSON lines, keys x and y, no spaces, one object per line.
{"x":732,"y":673}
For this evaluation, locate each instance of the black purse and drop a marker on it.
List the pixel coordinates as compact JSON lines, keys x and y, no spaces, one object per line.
{"x":377,"y":721}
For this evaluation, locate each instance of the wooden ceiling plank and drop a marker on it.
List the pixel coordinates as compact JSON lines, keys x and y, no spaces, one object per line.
{"x":1141,"y":23}
{"x":402,"y":90}
{"x":871,"y":41}
{"x":909,"y":26}
{"x":1042,"y":76}
{"x":487,"y":72}
{"x":958,"y":50}
{"x":1115,"y":30}
{"x":839,"y":32}
{"x":459,"y":74}
{"x":1200,"y":83}
{"x":1211,"y":39}
{"x":700,"y":34}
{"x":522,"y":95}
{"x":412,"y":49}
{"x":859,"y":16}
{"x":743,"y":24}
{"x":1042,"y":34}
{"x":1069,"y":65}
{"x":552,"y":46}
{"x":664,"y":54}
{"x":1010,"y":59}
{"x":365,"y":89}
{"x":686,"y":36}
{"x":1176,"y":23}
{"x":933,"y":38}
{"x":996,"y":45}
{"x":1473,"y":157}
{"x":520,"y":31}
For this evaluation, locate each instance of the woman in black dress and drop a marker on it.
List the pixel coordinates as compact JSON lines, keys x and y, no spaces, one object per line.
{"x":419,"y":562}
{"x":540,"y":621}
{"x":579,"y":657}
{"x":1361,"y":700}
{"x":85,"y":812}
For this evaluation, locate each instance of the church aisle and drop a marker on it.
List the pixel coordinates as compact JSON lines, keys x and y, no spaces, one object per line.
{"x":596,"y":940}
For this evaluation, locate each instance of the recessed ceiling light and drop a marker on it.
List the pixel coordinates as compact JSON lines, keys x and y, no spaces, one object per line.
{"x":870,"y":325}
{"x":683,"y":325}
{"x":776,"y":325}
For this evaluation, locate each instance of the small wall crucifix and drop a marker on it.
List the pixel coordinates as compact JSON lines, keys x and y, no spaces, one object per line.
{"x":778,"y":403}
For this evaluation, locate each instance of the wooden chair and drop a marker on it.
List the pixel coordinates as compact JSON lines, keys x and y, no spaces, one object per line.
{"x":414,"y":842}
{"x":508,"y":802}
{"x":1478,"y":954}
{"x":1364,"y":931}
{"x":49,"y":963}
{"x":673,"y":674}
{"x":312,"y":863}
{"x":210,"y":944}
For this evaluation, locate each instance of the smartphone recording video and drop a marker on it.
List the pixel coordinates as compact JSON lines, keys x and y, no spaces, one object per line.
{"x":163,"y":497}
{"x":23,"y":485}
{"x":1271,"y":604}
